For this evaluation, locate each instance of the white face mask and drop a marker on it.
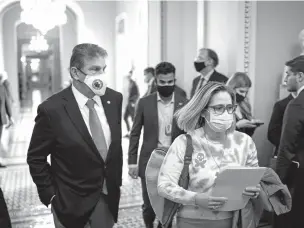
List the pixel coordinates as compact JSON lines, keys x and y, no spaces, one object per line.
{"x":96,"y":83}
{"x":220,"y":123}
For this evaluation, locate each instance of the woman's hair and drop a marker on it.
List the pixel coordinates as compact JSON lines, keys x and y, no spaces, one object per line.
{"x":238,"y":80}
{"x":189,"y":117}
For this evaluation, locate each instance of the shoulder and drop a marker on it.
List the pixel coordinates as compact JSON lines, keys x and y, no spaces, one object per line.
{"x":180,"y":99}
{"x":241,"y":139}
{"x":220,"y":76}
{"x":56,"y":100}
{"x":149,"y":98}
{"x":113,"y":93}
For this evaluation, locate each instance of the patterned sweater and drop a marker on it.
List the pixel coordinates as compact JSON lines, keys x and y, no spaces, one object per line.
{"x":208,"y":159}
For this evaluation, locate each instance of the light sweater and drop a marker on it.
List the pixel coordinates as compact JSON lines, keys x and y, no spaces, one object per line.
{"x":208,"y":159}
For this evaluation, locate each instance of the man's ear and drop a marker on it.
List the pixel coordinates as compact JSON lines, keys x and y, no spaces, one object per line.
{"x":74,"y":73}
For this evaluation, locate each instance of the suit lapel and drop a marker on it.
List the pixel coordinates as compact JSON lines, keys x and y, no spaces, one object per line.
{"x":74,"y":113}
{"x":110,"y":111}
{"x":178,"y":103}
{"x":154,"y":113}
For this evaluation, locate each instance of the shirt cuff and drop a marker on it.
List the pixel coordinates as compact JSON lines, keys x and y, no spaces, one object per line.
{"x":52,"y":199}
{"x":133,"y":166}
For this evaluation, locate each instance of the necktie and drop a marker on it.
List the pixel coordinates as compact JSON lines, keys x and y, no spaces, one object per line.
{"x":97,"y":134}
{"x":200,"y":84}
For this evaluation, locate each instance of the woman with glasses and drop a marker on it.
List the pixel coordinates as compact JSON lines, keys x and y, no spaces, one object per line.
{"x":241,"y":83}
{"x":209,"y":118}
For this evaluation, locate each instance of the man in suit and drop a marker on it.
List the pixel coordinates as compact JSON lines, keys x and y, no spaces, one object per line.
{"x":80,"y":127}
{"x":290,"y":161}
{"x":155,"y":114}
{"x":276,"y":121}
{"x":5,"y":112}
{"x":133,"y":95}
{"x":205,"y":64}
{"x":152,"y":88}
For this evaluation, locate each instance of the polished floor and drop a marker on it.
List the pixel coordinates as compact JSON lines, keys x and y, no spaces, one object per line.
{"x":23,"y":203}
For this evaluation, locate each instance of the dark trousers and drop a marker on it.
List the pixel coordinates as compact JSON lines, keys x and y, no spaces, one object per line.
{"x":294,"y":218}
{"x":5,"y":220}
{"x":147,"y":210}
{"x":129,"y":113}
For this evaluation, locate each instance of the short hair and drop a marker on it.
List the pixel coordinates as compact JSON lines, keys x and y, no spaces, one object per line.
{"x":296,"y":65}
{"x":149,"y":70}
{"x":164,"y":68}
{"x":85,"y":50}
{"x":238,"y":80}
{"x":189,"y":117}
{"x":212,"y":55}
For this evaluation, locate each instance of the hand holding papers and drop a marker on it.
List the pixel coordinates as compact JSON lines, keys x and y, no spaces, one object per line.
{"x":231,"y":183}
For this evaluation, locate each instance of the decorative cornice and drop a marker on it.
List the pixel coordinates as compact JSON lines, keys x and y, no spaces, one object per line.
{"x":247,"y":35}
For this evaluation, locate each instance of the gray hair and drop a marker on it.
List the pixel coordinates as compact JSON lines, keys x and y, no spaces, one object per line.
{"x":86,"y":50}
{"x":189,"y":117}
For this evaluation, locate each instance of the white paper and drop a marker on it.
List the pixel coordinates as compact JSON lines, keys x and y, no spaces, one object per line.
{"x":231,"y":183}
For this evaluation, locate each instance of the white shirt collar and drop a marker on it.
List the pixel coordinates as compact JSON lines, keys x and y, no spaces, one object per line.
{"x":82,"y":99}
{"x":207,"y":76}
{"x":300,"y":90}
{"x":161,"y":100}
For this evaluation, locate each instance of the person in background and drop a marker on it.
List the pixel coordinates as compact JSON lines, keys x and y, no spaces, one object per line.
{"x":276,"y":121}
{"x":245,"y":122}
{"x":149,"y":73}
{"x":209,"y":118}
{"x":154,"y":113}
{"x":6,"y":119}
{"x":205,"y":64}
{"x":290,"y":159}
{"x":133,"y":95}
{"x":4,"y":81}
{"x":152,"y":88}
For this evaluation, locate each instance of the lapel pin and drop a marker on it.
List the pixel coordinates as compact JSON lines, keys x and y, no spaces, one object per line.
{"x":109,"y":102}
{"x":180,"y":103}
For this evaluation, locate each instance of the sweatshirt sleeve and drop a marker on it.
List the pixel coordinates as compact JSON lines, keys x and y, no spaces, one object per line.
{"x":170,"y":172}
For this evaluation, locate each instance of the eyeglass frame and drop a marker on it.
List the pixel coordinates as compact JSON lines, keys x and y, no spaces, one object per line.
{"x":225,"y":108}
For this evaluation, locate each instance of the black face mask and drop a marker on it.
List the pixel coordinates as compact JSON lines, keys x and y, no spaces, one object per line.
{"x":165,"y":91}
{"x":199,"y":66}
{"x":239,"y":98}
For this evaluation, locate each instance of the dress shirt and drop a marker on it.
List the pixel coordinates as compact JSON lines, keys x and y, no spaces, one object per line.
{"x":165,"y":117}
{"x":81,"y":101}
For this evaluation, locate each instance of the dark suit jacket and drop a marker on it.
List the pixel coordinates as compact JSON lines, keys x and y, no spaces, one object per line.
{"x":146,"y":116}
{"x":5,"y":106}
{"x":177,"y":89}
{"x":291,"y":146}
{"x":276,"y":121}
{"x":215,"y":77}
{"x":77,"y":170}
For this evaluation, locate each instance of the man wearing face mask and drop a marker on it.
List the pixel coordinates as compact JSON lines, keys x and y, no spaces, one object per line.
{"x":80,"y":128}
{"x":154,"y":113}
{"x":205,"y":64}
{"x":290,"y":161}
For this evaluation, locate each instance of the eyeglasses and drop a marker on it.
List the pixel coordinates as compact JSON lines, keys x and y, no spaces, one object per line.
{"x":220,"y":109}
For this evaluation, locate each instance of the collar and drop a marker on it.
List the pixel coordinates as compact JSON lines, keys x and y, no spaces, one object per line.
{"x":294,"y":95}
{"x":82,"y":99}
{"x":151,"y":81}
{"x":161,"y":100}
{"x":207,"y":76}
{"x":300,"y":90}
